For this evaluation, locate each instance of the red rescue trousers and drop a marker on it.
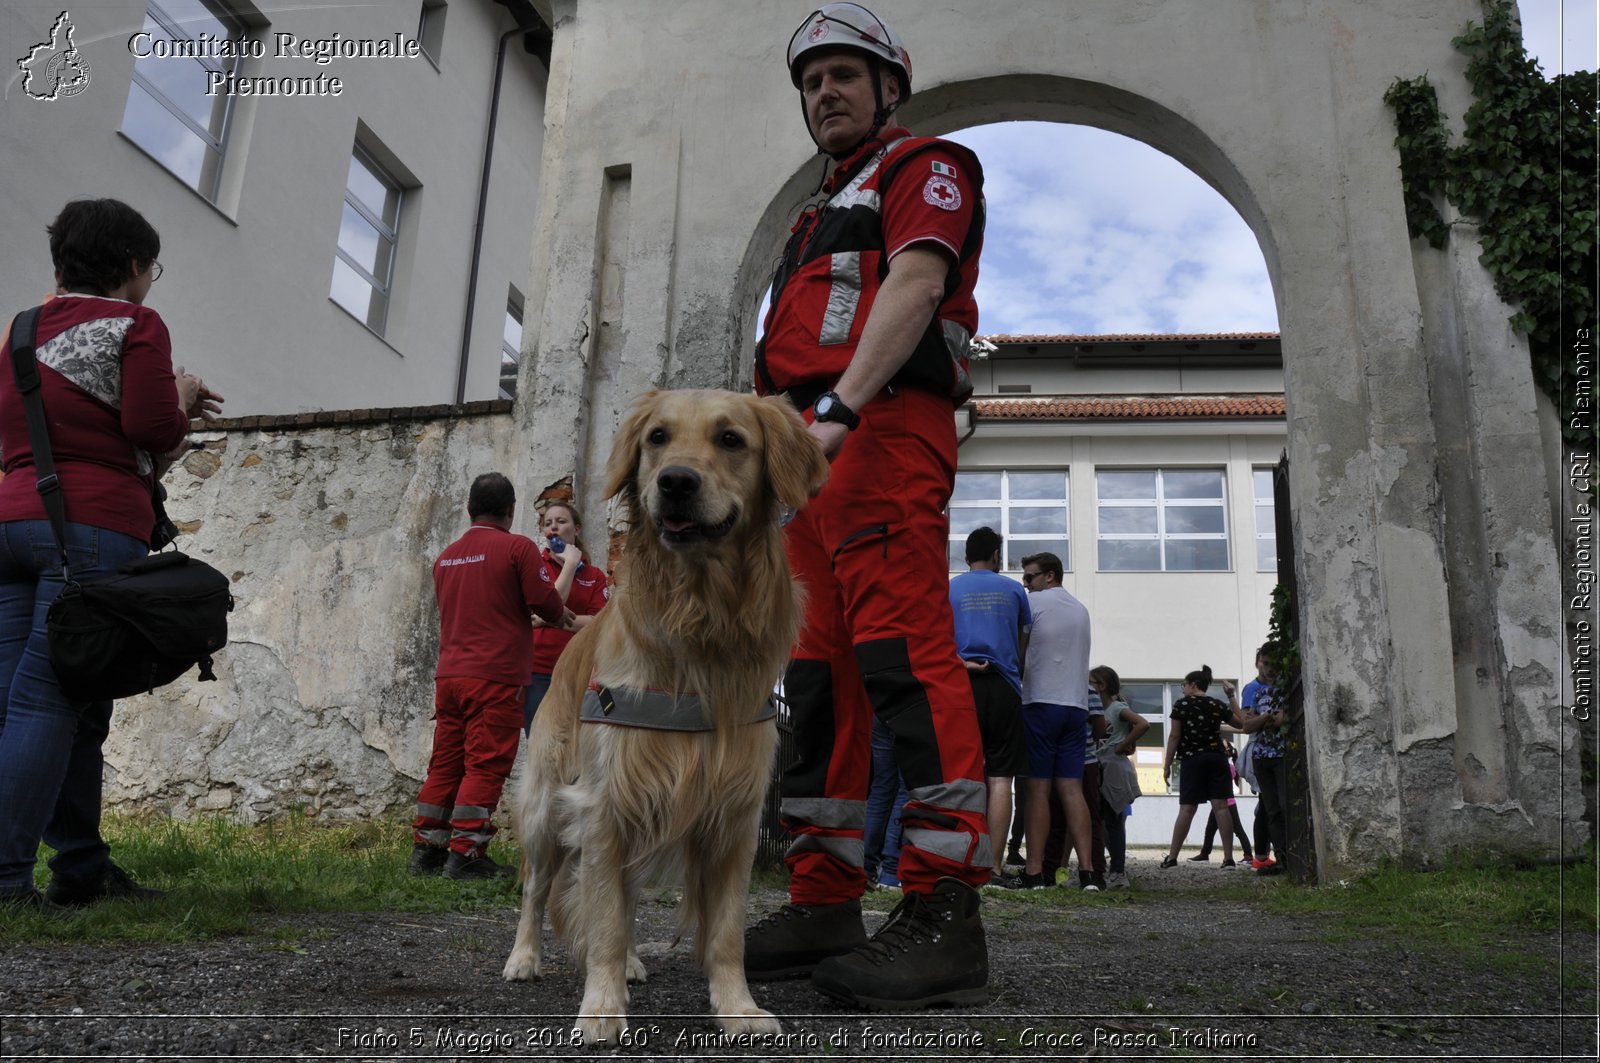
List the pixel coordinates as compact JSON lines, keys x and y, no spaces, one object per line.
{"x":879,"y":638}
{"x":477,"y":724}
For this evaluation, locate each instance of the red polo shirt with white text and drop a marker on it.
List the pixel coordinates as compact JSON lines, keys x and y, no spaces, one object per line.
{"x":488,"y":582}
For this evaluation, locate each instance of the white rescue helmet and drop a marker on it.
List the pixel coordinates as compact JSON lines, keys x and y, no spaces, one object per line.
{"x":850,"y":26}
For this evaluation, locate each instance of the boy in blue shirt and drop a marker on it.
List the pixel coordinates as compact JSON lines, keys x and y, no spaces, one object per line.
{"x":992,"y":619}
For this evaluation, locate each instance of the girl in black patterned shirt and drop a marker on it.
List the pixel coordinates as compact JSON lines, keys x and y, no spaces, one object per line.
{"x":1195,"y":740}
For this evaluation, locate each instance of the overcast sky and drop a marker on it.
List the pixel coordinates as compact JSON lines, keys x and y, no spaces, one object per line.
{"x":1092,"y":233}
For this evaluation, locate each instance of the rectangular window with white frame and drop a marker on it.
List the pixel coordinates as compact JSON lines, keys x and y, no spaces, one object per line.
{"x":1161,"y":520}
{"x":1266,"y":519}
{"x":511,"y":345}
{"x":170,"y":113}
{"x":1028,"y":507}
{"x":363,"y":266}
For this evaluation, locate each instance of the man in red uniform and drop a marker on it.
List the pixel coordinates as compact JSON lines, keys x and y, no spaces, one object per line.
{"x":871,"y":315}
{"x":488,"y":582}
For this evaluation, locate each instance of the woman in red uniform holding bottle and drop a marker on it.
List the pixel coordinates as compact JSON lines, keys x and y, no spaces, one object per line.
{"x":582,"y":586}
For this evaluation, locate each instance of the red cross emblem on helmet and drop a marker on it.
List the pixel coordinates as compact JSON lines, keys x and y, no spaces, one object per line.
{"x":818,"y":31}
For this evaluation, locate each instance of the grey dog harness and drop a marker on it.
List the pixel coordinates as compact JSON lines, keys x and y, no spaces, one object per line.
{"x":656,"y":710}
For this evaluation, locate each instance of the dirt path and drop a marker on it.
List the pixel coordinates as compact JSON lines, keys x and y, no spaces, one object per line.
{"x":1162,"y":970}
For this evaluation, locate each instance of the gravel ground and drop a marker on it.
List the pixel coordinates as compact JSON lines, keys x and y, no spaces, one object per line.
{"x":1165,"y":969}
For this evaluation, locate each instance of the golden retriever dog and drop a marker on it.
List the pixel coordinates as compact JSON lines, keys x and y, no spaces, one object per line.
{"x":704,"y":607}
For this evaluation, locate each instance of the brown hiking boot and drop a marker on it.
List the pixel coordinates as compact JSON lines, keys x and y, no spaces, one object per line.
{"x":931,"y":951}
{"x":794,"y":939}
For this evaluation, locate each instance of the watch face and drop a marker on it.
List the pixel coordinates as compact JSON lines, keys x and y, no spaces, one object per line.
{"x":824,"y":407}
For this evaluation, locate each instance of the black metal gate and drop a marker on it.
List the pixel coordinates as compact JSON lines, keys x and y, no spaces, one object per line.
{"x":1301,"y":858}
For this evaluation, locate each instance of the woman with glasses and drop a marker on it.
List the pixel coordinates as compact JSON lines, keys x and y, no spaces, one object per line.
{"x":117,"y":412}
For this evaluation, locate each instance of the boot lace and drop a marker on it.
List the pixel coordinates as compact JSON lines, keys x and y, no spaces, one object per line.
{"x":783,"y":915}
{"x":913,"y":922}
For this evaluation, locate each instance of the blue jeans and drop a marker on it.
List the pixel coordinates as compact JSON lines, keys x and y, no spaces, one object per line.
{"x":538,"y":687}
{"x":885,"y":797}
{"x":50,"y":747}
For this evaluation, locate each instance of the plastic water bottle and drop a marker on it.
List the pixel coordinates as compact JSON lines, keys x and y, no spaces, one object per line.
{"x":557,"y":544}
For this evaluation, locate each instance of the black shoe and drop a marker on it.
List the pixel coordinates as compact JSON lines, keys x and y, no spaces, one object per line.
{"x":29,"y":899}
{"x":1200,"y":858}
{"x":794,"y":939}
{"x":1014,"y":859}
{"x":113,"y":884}
{"x":1019,"y":881}
{"x":1169,"y":861}
{"x":931,"y":951}
{"x":427,"y":859}
{"x":460,"y":867}
{"x":1093,"y":882}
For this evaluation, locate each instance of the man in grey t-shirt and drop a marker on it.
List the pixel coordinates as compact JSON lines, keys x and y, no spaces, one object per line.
{"x":1055,"y":686}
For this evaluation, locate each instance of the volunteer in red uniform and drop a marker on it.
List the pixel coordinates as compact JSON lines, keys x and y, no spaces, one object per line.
{"x":871,"y":314}
{"x":582,"y":586}
{"x":489,"y":583}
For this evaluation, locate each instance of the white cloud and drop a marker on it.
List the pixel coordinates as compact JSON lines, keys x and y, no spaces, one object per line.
{"x":1091,"y":232}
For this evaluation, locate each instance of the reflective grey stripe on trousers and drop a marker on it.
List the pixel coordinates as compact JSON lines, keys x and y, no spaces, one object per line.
{"x":952,"y":845}
{"x":962,"y":795}
{"x":831,"y":813}
{"x":849,"y":851}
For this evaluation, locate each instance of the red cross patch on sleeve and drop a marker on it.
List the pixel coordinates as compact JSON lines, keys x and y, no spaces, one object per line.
{"x":942,"y":192}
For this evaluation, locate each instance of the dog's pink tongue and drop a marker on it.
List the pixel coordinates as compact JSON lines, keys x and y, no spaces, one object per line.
{"x":677,"y":525}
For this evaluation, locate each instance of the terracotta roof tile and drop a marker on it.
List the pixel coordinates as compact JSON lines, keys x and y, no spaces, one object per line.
{"x":1132,"y":337}
{"x":1151,"y":407}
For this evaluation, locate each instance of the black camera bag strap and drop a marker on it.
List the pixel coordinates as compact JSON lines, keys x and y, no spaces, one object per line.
{"x":25,"y":370}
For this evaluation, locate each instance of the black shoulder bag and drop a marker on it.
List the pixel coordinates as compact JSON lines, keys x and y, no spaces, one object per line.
{"x":128,"y":632}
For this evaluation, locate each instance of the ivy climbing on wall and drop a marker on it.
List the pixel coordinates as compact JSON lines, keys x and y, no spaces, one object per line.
{"x":1525,"y":172}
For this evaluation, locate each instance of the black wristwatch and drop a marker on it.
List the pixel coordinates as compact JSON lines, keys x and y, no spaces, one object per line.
{"x":830,"y":409}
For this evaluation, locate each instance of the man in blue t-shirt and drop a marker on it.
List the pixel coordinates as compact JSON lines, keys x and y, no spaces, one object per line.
{"x":992,"y":622}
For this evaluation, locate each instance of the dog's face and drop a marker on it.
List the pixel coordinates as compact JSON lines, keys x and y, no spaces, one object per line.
{"x":696,"y":465}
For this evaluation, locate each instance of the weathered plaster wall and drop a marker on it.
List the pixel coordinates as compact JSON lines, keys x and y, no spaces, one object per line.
{"x":325,"y":691}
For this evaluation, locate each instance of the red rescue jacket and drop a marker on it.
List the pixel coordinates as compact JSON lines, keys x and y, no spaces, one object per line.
{"x":833,"y":266}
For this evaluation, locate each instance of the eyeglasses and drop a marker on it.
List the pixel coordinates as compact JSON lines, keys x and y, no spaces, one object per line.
{"x":155,"y":271}
{"x":1029,"y":577}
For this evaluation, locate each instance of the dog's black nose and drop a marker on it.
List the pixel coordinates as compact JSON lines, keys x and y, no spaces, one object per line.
{"x":675,"y":481}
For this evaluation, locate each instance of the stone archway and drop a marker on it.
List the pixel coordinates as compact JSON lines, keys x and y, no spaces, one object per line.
{"x":1427,"y":566}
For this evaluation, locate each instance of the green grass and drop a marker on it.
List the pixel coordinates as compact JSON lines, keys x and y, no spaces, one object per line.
{"x":227,"y":878}
{"x":1460,"y":904}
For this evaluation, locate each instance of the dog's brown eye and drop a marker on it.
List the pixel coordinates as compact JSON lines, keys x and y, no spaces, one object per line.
{"x":658,"y":436}
{"x":732,"y":440}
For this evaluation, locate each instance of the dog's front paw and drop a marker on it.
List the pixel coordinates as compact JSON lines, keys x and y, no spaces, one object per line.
{"x":636,"y":971}
{"x":753,"y":1021}
{"x":522,"y":965}
{"x":598,"y":1029}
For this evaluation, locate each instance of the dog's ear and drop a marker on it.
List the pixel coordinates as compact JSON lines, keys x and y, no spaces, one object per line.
{"x":796,"y":468}
{"x":623,"y":464}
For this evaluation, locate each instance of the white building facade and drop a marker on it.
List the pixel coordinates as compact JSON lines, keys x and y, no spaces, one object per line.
{"x":1145,"y":463}
{"x":330,"y":239}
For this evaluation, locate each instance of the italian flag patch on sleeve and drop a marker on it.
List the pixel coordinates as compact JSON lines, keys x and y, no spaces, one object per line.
{"x":942,"y":168}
